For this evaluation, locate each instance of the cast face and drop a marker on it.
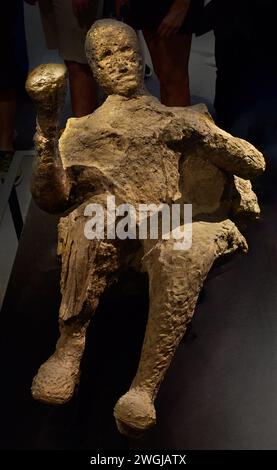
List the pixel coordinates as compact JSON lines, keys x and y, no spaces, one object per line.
{"x":115,"y":59}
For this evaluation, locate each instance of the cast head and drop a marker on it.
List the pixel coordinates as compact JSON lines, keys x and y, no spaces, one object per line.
{"x":113,"y":53}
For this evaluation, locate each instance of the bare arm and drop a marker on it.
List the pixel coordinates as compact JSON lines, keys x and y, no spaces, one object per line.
{"x":174,"y":18}
{"x":50,"y":187}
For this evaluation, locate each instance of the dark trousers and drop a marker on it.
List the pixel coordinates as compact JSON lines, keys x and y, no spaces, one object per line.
{"x":13,"y":51}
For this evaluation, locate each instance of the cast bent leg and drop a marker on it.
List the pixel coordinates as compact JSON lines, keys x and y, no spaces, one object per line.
{"x":88,"y":266}
{"x":176,"y":279}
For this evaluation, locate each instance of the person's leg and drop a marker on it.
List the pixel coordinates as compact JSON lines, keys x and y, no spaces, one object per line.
{"x":170,"y":57}
{"x":83,"y":88}
{"x":7,"y":77}
{"x":7,"y":88}
{"x":7,"y":117}
{"x":70,"y":37}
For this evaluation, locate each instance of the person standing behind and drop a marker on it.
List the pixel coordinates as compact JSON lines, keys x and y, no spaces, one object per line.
{"x":65,"y":24}
{"x":245,"y":95}
{"x":13,"y":74}
{"x":167,"y":26}
{"x":245,"y":53}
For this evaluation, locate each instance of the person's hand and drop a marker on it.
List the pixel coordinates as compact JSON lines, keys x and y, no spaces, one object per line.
{"x":81,"y":9}
{"x":174,"y":19}
{"x":119,"y":5}
{"x":31,"y":2}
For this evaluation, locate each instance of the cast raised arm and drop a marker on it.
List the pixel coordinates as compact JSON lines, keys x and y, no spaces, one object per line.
{"x":50,"y":187}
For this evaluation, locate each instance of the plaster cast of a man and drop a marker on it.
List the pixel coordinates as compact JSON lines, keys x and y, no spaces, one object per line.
{"x":139,"y":151}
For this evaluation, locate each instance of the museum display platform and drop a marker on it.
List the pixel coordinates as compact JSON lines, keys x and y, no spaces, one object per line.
{"x":220,"y":391}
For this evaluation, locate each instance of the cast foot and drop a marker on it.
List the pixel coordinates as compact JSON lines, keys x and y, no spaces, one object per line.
{"x":134,"y":413}
{"x":55,"y":381}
